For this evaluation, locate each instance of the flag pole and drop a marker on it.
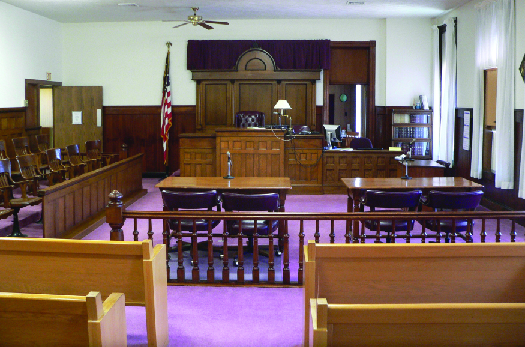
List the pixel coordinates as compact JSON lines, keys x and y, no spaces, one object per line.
{"x":166,"y":111}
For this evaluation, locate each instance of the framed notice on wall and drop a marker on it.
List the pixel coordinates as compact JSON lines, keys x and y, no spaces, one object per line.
{"x":466,"y":130}
{"x":77,"y":117}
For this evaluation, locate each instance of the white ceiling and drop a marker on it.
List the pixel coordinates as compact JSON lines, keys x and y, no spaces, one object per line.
{"x":82,"y":11}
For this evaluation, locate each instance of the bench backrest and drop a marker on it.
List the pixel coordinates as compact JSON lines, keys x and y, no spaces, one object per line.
{"x":60,"y":320}
{"x":74,"y":267}
{"x":416,"y":273}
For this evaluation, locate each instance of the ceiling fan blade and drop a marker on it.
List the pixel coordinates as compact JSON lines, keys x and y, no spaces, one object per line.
{"x":177,"y":26}
{"x":212,"y":21}
{"x":204,"y":25}
{"x":173,"y":20}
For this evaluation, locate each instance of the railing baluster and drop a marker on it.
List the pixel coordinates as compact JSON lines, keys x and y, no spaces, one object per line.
{"x":438,"y":232}
{"x":181,"y":271}
{"x":363,"y":236}
{"x":498,"y":230}
{"x":286,"y":257}
{"x":513,"y":231}
{"x":271,"y":255}
{"x":348,"y":235}
{"x":194,"y":254}
{"x":255,"y":273}
{"x":211,"y":269}
{"x":225,"y":268}
{"x":468,"y":234}
{"x":409,"y":228}
{"x":150,"y":229}
{"x":423,"y":231}
{"x":317,"y":234}
{"x":300,"y":273}
{"x":332,"y":231}
{"x":166,"y":241}
{"x":378,"y":232}
{"x":240,"y":254}
{"x":135,"y":230}
{"x":483,"y":232}
{"x":393,"y":235}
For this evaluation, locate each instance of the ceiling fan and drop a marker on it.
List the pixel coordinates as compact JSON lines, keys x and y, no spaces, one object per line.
{"x":197,"y":20}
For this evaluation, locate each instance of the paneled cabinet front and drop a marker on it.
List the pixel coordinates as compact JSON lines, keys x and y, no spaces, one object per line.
{"x":214,"y":104}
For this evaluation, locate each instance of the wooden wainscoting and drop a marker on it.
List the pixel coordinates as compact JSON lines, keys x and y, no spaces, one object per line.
{"x":73,"y":206}
{"x":139,"y":128}
{"x":303,"y":164}
{"x":12,"y":124}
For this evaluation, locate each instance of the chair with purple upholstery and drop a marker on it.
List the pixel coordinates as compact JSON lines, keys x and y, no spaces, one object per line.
{"x":197,"y":200}
{"x":360,"y":142}
{"x":451,"y":201}
{"x":251,"y":202}
{"x":245,"y":119}
{"x":389,"y":201}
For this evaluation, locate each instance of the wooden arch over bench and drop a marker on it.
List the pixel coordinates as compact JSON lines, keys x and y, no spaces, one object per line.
{"x":255,"y":84}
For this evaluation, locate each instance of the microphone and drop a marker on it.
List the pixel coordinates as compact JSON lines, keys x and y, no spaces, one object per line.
{"x":229,"y":162}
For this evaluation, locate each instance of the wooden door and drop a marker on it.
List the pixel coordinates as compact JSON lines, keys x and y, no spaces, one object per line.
{"x":67,"y":100}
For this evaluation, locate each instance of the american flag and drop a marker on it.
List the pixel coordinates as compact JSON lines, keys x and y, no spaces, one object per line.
{"x":165,"y":113}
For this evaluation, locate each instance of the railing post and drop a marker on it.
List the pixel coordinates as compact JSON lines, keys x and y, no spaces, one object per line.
{"x":114,"y":216}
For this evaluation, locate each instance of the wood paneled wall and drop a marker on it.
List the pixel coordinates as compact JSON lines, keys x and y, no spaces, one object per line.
{"x":139,"y":128}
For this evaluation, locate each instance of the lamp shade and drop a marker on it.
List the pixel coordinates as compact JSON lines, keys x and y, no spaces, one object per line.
{"x":282,"y":105}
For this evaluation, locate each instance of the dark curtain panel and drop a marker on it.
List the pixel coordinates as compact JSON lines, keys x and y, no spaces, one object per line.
{"x":288,"y":54}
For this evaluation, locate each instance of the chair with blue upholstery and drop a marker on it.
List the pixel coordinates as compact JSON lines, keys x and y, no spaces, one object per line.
{"x":360,"y":142}
{"x":244,"y":119}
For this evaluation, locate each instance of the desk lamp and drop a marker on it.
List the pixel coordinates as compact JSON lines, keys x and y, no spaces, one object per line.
{"x":282,"y":105}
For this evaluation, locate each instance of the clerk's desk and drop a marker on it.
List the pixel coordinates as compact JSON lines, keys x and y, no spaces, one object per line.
{"x":269,"y":153}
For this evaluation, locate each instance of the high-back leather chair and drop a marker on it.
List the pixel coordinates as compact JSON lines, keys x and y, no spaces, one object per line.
{"x":451,"y":201}
{"x":360,"y":142}
{"x":245,"y":119}
{"x":251,"y":202}
{"x":393,"y":201}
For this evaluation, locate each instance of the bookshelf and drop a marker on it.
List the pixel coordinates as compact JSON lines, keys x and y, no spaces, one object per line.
{"x":409,"y":125}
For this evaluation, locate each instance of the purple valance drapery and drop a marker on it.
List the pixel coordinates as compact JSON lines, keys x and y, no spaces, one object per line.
{"x":288,"y":54}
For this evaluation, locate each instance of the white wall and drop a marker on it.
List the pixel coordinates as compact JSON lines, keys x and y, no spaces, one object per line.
{"x":466,"y":31}
{"x":408,"y":60}
{"x":30,"y":46}
{"x":127,"y":59}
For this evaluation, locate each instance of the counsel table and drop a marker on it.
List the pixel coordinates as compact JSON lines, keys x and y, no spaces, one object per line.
{"x":356,"y":186}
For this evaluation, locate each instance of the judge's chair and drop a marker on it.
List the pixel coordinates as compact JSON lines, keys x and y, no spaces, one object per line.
{"x":245,"y":119}
{"x":389,"y":201}
{"x":451,"y":201}
{"x":251,"y":202}
{"x":360,"y":142}
{"x":203,"y":200}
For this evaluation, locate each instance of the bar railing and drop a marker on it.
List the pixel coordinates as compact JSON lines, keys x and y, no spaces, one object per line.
{"x":324,"y":226}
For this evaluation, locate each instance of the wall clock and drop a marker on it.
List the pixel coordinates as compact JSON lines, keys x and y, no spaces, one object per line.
{"x":343,"y":97}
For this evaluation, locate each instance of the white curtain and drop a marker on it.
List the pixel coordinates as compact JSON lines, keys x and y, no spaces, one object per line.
{"x":448,"y":94}
{"x":436,"y":93}
{"x":495,"y":48}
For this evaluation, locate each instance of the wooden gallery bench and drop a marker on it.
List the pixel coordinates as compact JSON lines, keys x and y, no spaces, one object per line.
{"x":76,"y":267}
{"x":62,"y":320}
{"x":415,"y":294}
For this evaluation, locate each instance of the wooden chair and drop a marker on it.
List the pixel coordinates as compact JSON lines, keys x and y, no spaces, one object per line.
{"x":6,"y":187}
{"x":28,"y":164}
{"x":393,"y":201}
{"x":62,"y":320}
{"x":451,"y":201}
{"x":21,"y":145}
{"x":3,"y":151}
{"x":76,"y":162}
{"x":42,"y":141}
{"x":94,"y":152}
{"x":57,"y":171}
{"x":251,"y":202}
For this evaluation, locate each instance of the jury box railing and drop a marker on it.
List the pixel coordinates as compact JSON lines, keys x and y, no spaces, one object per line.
{"x":490,"y":226}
